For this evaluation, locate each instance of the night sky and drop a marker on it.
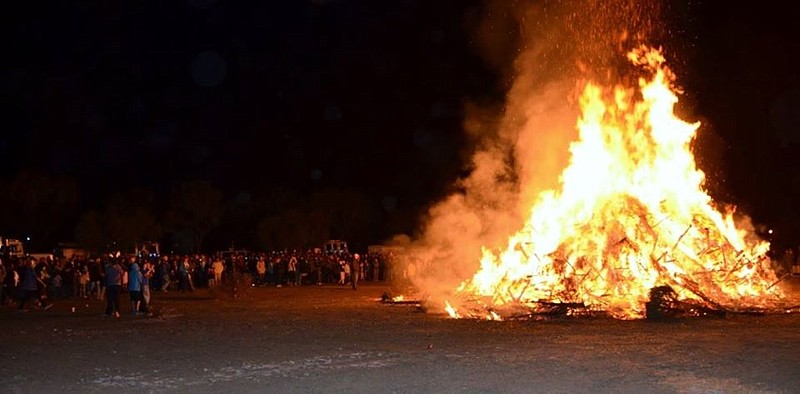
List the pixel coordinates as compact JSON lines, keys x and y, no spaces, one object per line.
{"x":299,"y":93}
{"x":360,"y":95}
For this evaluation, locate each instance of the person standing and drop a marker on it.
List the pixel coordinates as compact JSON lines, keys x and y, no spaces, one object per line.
{"x":96,"y":278}
{"x":83,"y":283}
{"x":343,"y":268}
{"x":3,"y":292}
{"x":135,"y":286}
{"x":148,"y":271}
{"x":113,"y":286}
{"x":217,"y":267}
{"x":184,"y":275}
{"x":261,"y":271}
{"x":32,"y":287}
{"x":316,"y":268}
{"x":271,"y":271}
{"x":291,"y":269}
{"x":355,"y":264}
{"x":166,"y":270}
{"x":10,"y":282}
{"x":376,"y":267}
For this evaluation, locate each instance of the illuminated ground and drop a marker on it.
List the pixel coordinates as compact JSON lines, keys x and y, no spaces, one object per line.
{"x":333,"y":339}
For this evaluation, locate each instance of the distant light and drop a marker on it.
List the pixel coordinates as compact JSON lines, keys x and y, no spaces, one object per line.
{"x":27,"y":238}
{"x":769,"y":231}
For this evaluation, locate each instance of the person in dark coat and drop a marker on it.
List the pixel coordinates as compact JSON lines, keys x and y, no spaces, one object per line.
{"x":355,"y":265}
{"x":32,"y":287}
{"x":113,"y":286}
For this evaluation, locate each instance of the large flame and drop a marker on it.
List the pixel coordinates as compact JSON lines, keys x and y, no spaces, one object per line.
{"x":631,"y":214}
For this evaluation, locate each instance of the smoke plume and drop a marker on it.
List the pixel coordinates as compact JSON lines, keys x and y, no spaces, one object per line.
{"x":545,"y":50}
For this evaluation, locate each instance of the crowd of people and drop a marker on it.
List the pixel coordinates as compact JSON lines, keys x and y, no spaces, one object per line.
{"x":36,"y":282}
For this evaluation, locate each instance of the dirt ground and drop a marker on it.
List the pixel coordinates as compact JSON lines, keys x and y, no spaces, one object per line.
{"x":330,"y":339}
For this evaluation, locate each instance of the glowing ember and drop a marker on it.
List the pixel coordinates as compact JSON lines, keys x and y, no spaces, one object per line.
{"x":493,"y":316}
{"x":631,"y":214}
{"x":451,"y":311}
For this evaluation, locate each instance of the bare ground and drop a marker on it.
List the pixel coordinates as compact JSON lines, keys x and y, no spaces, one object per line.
{"x":326,"y":339}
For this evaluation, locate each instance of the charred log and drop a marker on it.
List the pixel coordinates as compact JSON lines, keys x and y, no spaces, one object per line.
{"x":387,"y":298}
{"x":664,"y":304}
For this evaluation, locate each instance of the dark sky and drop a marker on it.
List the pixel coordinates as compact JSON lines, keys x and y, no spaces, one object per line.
{"x":744,"y":79}
{"x":360,"y":94}
{"x":301,"y":93}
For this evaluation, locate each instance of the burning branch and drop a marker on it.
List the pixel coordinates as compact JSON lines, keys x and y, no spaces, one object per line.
{"x":522,"y":292}
{"x":681,"y":237}
{"x":694,"y":288}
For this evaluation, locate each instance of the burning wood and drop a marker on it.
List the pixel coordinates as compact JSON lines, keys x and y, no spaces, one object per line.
{"x":664,"y":304}
{"x":632,"y":232}
{"x":387,"y":298}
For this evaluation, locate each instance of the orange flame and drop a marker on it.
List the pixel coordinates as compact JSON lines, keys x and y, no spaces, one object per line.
{"x":631,"y":214}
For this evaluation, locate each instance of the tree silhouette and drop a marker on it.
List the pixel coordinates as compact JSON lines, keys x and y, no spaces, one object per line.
{"x":39,"y":206}
{"x":128,"y":219}
{"x":294,"y":228}
{"x":90,"y":232}
{"x":329,"y":213}
{"x":196,"y":208}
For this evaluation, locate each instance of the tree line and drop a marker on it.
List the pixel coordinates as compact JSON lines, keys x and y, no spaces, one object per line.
{"x":193,"y":216}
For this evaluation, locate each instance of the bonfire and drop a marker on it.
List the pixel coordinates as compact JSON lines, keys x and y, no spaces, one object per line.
{"x":631,"y":229}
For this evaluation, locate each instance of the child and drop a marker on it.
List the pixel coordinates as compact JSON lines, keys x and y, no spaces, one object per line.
{"x":83,"y":282}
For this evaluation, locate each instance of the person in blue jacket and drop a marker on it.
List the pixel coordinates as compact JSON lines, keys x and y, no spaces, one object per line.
{"x":32,"y":287}
{"x":135,"y":286}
